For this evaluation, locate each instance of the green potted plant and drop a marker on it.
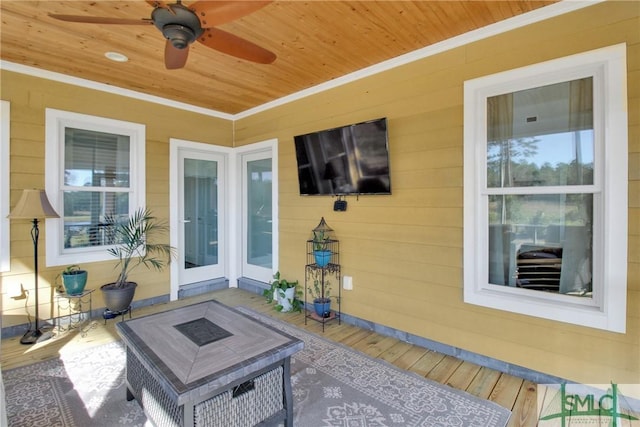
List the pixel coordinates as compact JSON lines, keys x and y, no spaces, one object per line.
{"x":321,"y":251}
{"x":285,"y":293}
{"x":135,"y":244}
{"x":74,"y":280}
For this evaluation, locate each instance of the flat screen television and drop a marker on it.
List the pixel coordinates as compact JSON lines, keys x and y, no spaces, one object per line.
{"x":351,"y":159}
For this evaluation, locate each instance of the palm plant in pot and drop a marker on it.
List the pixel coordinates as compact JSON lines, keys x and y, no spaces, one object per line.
{"x":286,"y":294}
{"x":134,"y":245}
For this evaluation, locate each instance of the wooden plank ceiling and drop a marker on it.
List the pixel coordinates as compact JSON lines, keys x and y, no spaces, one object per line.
{"x":315,"y":42}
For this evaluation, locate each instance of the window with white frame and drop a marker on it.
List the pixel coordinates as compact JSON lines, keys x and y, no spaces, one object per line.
{"x":95,"y":170}
{"x":4,"y":185}
{"x":545,"y":196}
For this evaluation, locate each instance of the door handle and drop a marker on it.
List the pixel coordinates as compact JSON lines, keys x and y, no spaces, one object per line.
{"x":185,"y":221}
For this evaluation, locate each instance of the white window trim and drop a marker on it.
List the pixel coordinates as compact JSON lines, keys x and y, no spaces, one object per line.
{"x":56,"y":121}
{"x":608,"y":312}
{"x":5,"y":135}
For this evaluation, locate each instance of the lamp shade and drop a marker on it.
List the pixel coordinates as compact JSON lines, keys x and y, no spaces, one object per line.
{"x":33,"y":204}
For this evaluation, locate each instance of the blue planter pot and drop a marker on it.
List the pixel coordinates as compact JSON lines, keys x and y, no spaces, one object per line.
{"x":322,"y":257}
{"x":322,"y":307}
{"x":74,"y":282}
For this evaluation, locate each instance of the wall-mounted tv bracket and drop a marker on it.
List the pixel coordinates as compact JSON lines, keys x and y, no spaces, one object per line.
{"x":340,"y":205}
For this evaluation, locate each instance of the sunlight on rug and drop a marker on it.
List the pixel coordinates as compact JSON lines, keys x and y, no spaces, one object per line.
{"x":333,"y":385}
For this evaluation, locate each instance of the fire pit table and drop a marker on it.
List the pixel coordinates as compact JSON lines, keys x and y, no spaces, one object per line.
{"x":209,"y":365}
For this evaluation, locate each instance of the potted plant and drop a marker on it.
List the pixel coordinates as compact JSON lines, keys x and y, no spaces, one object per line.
{"x":134,"y":245}
{"x":321,"y":297}
{"x":321,"y":251}
{"x":285,"y":293}
{"x":74,"y":279}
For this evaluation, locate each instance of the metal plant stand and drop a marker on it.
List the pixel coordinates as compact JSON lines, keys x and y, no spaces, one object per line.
{"x":73,"y":310}
{"x":320,"y":277}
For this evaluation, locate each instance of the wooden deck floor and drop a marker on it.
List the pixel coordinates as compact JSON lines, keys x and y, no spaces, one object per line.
{"x":516,"y":394}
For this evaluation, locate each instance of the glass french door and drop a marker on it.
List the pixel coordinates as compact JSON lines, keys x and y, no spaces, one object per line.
{"x":201,"y":219}
{"x":257,"y":227}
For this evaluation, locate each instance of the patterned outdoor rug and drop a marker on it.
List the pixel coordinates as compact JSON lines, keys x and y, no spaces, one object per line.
{"x":333,"y":385}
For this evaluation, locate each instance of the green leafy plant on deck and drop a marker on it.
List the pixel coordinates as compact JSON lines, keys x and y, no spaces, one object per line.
{"x":278,"y":287}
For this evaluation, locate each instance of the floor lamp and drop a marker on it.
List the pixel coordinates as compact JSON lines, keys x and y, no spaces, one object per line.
{"x":33,"y":204}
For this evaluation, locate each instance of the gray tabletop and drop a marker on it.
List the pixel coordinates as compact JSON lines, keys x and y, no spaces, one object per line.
{"x":196,"y":350}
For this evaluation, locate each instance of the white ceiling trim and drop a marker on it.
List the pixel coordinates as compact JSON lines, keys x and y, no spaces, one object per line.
{"x":90,"y":84}
{"x":537,"y":15}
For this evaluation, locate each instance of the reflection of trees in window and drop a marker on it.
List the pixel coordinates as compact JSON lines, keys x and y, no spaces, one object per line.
{"x":541,"y":137}
{"x":96,"y":184}
{"x":86,"y":217}
{"x":507,"y":159}
{"x":541,"y":209}
{"x":503,"y":173}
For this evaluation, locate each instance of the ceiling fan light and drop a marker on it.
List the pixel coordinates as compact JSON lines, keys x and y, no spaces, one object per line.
{"x":179,"y":35}
{"x":116,"y":56}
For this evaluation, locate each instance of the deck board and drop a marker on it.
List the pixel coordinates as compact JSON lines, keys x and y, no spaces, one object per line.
{"x":463,"y":376}
{"x":525,"y":411}
{"x":396,"y":351}
{"x":444,"y":369}
{"x":506,"y":390}
{"x":484,"y":383}
{"x":410,"y":357}
{"x":374,"y":345}
{"x":426,"y":363}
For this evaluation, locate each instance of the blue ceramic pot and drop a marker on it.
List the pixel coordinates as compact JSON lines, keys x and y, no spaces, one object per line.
{"x":74,"y":282}
{"x":322,"y":307}
{"x":322,"y":257}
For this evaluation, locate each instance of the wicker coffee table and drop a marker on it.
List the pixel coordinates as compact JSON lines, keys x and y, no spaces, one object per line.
{"x":209,"y":365}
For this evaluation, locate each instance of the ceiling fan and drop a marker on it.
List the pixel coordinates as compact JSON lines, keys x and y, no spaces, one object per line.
{"x":182,"y":25}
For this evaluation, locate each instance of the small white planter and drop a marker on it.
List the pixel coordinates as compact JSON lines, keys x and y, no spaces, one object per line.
{"x":286,"y":301}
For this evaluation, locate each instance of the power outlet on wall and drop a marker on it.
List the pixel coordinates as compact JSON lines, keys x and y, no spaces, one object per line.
{"x":347,"y":283}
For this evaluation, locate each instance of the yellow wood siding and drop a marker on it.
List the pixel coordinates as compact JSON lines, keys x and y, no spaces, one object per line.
{"x":29,"y":97}
{"x":404,"y":251}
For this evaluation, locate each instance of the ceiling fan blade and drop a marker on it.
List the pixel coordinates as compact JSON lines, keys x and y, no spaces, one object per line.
{"x":174,"y":58}
{"x":235,"y":46}
{"x":212,"y":13}
{"x":101,"y":20}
